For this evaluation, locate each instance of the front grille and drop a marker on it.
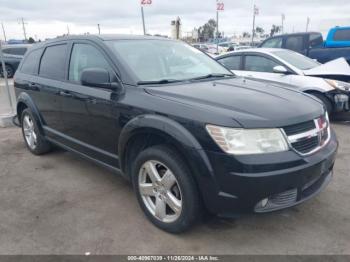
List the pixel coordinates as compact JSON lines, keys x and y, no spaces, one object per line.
{"x":308,"y":136}
{"x":299,"y":128}
{"x":306,"y":145}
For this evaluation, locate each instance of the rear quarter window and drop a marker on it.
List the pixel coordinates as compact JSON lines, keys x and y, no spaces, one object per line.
{"x":31,"y":62}
{"x":53,"y":62}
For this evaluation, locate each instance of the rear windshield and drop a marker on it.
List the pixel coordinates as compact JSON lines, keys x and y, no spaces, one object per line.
{"x":295,"y":59}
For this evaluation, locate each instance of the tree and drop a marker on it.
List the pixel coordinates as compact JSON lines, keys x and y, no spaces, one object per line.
{"x":31,"y":40}
{"x":246,"y":35}
{"x":259,"y":30}
{"x":207,"y":30}
{"x":275,"y":29}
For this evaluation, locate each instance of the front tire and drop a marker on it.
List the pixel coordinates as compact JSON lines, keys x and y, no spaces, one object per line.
{"x":165,"y":189}
{"x":35,"y":142}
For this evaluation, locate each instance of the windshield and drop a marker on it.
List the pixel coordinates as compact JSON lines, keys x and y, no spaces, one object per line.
{"x":157,"y":60}
{"x":299,"y":61}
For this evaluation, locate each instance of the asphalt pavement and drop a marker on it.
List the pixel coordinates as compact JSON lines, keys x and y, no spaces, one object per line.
{"x":61,"y":204}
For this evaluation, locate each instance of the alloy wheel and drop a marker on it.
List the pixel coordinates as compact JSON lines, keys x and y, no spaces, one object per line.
{"x":29,"y":132}
{"x":160,"y":191}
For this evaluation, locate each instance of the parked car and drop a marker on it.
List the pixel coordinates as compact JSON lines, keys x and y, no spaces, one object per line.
{"x":290,"y":68}
{"x":228,"y":46}
{"x":311,"y":44}
{"x":13,"y":55}
{"x":210,"y":49}
{"x":186,"y":132}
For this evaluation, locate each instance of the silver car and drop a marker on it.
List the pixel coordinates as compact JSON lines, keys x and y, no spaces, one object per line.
{"x":296,"y":71}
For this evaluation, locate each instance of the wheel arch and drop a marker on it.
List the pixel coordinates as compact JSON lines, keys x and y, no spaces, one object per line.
{"x":25,"y":101}
{"x":149,"y":130}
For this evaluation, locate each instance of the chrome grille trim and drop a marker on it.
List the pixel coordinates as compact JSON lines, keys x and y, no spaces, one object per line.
{"x":316,"y":132}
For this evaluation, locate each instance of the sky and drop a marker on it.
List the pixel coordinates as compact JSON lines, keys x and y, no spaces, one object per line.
{"x":49,"y":18}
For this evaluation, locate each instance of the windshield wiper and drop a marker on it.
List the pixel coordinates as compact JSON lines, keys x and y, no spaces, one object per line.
{"x":155,"y":82}
{"x":211,"y":76}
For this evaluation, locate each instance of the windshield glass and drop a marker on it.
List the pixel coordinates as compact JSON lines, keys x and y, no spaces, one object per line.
{"x":299,"y":61}
{"x":156,"y":60}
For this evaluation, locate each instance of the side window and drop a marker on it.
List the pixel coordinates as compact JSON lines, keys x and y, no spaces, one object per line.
{"x":85,"y":56}
{"x":342,"y":35}
{"x":231,"y":62}
{"x":273,"y":43}
{"x":52,"y":63}
{"x":315,"y":40}
{"x":31,"y":62}
{"x":295,"y":43}
{"x":259,"y":64}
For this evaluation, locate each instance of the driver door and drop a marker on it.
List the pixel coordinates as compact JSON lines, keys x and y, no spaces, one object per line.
{"x":88,"y":112}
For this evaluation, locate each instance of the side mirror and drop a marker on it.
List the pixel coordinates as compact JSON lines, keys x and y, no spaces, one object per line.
{"x":95,"y":77}
{"x":280,"y":70}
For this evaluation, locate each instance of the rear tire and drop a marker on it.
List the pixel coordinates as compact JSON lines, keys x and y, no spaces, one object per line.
{"x":326,"y":102}
{"x":177,"y":194}
{"x":35,"y":142}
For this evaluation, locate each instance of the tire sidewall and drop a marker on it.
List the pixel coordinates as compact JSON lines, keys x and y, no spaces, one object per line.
{"x":185,"y":182}
{"x":42,"y":145}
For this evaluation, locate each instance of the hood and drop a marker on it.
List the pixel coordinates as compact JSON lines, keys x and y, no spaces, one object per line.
{"x":338,"y":66}
{"x":251,"y":103}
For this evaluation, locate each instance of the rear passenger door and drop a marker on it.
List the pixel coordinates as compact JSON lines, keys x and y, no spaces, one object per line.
{"x":45,"y":87}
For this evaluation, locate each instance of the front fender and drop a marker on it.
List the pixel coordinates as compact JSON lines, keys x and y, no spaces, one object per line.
{"x":176,"y":131}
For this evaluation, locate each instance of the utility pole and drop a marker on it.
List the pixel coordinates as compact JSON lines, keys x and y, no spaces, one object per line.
{"x":255,"y":12}
{"x":68,"y":30}
{"x":24,"y":28}
{"x":307,"y":23}
{"x":3,"y":31}
{"x":99,"y":29}
{"x":143,"y":20}
{"x":220,"y":6}
{"x":217,"y":31}
{"x":283,"y":18}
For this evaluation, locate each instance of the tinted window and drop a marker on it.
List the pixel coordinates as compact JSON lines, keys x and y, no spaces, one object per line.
{"x":85,"y":56}
{"x":315,"y":40}
{"x":295,"y":43}
{"x":342,"y":35}
{"x":15,"y":51}
{"x":231,"y":62}
{"x":259,"y":64}
{"x":53,"y":62}
{"x":273,"y":43}
{"x":31,"y":62}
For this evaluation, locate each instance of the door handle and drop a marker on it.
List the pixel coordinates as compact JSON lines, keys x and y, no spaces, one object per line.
{"x":65,"y":94}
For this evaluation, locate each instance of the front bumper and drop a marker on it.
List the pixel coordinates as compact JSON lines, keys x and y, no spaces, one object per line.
{"x":265,"y":183}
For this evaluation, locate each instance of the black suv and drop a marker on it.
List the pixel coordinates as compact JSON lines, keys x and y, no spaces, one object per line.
{"x":189,"y":134}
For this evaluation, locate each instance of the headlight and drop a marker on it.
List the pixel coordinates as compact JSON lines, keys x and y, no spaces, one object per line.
{"x":241,"y":141}
{"x":338,"y":84}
